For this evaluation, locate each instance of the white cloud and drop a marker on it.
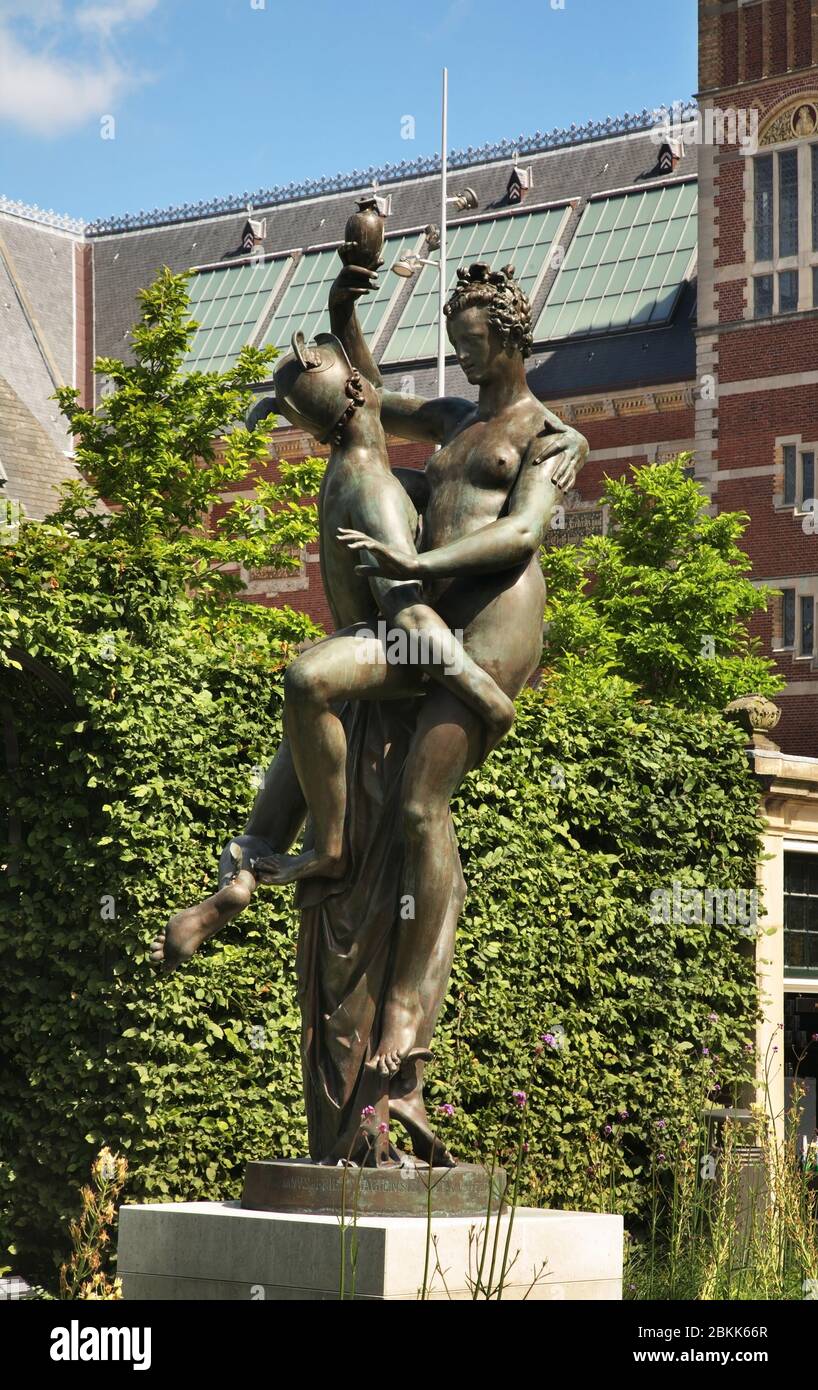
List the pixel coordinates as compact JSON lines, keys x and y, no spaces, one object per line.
{"x":105,"y":17}
{"x":45,"y":95}
{"x":56,"y":69}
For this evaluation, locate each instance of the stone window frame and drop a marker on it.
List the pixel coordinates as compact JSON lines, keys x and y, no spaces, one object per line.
{"x":806,"y":260}
{"x":804,"y":586}
{"x":801,"y":447}
{"x":803,"y":984}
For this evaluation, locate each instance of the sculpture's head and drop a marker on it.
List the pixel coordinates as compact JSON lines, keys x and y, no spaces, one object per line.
{"x":317,"y":387}
{"x":489,"y":319}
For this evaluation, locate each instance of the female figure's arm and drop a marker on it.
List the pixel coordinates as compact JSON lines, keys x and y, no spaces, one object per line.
{"x":502,"y":544}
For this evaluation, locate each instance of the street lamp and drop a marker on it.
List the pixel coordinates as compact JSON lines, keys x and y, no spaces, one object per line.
{"x":410,"y":264}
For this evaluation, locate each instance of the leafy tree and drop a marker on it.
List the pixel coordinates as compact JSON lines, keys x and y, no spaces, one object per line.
{"x":162,"y":448}
{"x":145,"y":541}
{"x":662,"y":602}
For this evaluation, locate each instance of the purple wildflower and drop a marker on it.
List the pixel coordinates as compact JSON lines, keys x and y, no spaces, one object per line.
{"x":446,"y":1109}
{"x":519,"y":1098}
{"x":367,"y":1112}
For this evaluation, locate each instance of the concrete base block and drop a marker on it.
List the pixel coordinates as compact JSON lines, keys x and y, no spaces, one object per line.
{"x":217,"y":1250}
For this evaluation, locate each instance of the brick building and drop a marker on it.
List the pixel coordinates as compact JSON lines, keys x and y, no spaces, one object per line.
{"x":673,"y":273}
{"x":757,"y":329}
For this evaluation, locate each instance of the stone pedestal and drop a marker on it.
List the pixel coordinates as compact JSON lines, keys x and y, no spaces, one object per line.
{"x":219,"y":1250}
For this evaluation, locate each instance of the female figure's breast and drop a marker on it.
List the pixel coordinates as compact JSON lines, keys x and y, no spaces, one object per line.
{"x":469,"y":483}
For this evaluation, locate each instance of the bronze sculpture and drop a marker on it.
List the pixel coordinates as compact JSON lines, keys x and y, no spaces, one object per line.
{"x":374,"y":750}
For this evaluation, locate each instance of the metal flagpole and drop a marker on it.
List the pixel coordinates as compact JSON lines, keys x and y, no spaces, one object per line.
{"x":441,"y":329}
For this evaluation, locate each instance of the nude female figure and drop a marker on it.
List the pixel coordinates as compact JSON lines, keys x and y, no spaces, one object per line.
{"x":492,"y":486}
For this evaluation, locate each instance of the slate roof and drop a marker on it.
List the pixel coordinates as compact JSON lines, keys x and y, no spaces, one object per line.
{"x":37,"y":288}
{"x":37,"y":302}
{"x":32,"y":463}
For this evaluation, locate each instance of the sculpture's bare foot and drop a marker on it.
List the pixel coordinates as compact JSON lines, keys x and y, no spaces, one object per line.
{"x":426,"y":1145}
{"x":393,"y":1057}
{"x":188,"y":929}
{"x":291,"y":868}
{"x":396,"y":1047}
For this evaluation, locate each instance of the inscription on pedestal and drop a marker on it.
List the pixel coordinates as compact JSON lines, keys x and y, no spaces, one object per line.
{"x":282,"y":1185}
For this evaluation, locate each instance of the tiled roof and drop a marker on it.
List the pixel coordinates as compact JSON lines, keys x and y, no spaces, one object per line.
{"x":32,"y":464}
{"x":37,"y":316}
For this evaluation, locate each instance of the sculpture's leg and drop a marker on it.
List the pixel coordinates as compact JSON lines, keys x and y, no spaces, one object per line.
{"x":275,"y":820}
{"x":342,"y":667}
{"x":447,"y":742}
{"x":406,"y":1102}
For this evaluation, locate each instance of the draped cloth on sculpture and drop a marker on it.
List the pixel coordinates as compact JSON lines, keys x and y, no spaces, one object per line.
{"x":349,"y":925}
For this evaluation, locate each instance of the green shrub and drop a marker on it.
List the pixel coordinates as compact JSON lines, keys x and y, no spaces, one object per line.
{"x":564,"y":834}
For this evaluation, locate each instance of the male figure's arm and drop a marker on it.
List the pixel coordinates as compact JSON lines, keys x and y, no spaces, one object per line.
{"x":438,"y":653}
{"x":409,"y":417}
{"x":347,"y":288}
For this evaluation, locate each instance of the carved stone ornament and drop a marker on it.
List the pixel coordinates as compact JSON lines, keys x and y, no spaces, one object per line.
{"x":757,"y":716}
{"x":797,"y":122}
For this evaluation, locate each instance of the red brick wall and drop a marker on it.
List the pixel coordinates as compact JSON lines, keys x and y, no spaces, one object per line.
{"x":769,"y":349}
{"x":753,"y":42}
{"x":778,"y":36}
{"x":730,"y":297}
{"x":802,"y":38}
{"x":728,"y":199}
{"x":728,"y":43}
{"x":748,"y":423}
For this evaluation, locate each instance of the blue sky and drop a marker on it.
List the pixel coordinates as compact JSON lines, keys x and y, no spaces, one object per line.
{"x":212,"y":97}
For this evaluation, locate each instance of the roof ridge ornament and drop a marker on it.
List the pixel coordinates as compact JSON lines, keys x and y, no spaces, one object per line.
{"x":539,"y":142}
{"x":32,"y":213}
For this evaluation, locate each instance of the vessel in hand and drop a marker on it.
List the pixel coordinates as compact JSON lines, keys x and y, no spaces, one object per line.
{"x":363,"y":236}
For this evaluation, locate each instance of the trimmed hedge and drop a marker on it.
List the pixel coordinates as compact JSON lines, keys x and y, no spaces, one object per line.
{"x":124,"y":805}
